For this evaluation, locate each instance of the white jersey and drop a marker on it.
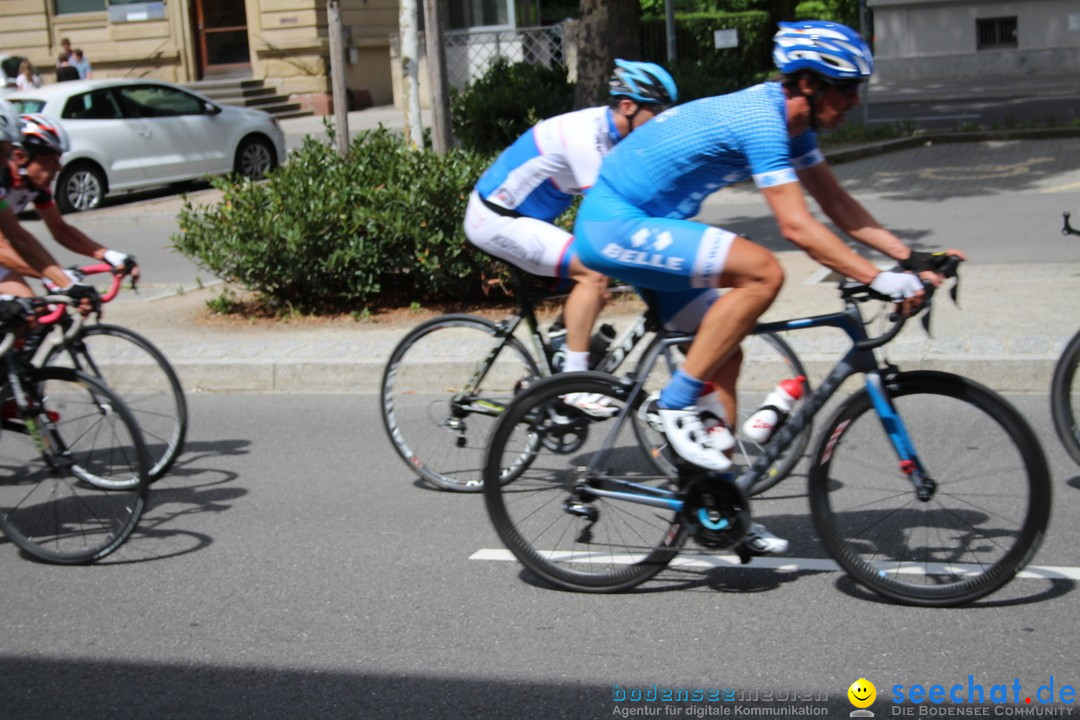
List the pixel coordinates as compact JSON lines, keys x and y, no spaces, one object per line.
{"x":546,"y":167}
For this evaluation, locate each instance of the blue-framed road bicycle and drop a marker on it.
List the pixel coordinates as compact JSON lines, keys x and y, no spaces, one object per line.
{"x":926,"y":487}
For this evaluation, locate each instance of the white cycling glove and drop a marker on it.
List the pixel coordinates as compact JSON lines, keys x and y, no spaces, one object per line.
{"x":116,"y":258}
{"x":897,"y":285}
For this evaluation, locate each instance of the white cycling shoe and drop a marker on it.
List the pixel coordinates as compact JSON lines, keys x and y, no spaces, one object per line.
{"x":689,"y":438}
{"x":762,"y":542}
{"x":596,"y":405}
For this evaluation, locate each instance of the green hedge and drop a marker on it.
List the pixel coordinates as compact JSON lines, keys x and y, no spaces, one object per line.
{"x":490,"y":113}
{"x":330,"y":234}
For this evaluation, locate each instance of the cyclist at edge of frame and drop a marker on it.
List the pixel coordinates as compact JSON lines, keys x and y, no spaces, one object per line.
{"x":27,"y":172}
{"x":633,"y":223}
{"x":511,"y":211}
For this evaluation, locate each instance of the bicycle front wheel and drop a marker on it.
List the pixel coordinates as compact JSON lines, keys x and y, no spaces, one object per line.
{"x":73,"y":468}
{"x":767,"y":360}
{"x":1065,"y":397}
{"x":549,"y":514}
{"x":984,"y":519}
{"x":141,"y":375}
{"x":444,"y":387}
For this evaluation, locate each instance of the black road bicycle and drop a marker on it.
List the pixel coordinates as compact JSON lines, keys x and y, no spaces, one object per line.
{"x":926,"y":487}
{"x":450,"y":378}
{"x":1065,"y":386}
{"x":74,"y":469}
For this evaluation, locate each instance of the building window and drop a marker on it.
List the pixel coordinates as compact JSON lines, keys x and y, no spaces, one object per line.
{"x":996,"y":33}
{"x":479,"y":13}
{"x":64,"y":7}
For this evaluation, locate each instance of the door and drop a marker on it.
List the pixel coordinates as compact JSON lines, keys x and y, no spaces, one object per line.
{"x":222,"y":37}
{"x":176,"y":134}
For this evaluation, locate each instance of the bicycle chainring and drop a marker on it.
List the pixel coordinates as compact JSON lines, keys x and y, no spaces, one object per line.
{"x":715,"y":511}
{"x":561,"y":429}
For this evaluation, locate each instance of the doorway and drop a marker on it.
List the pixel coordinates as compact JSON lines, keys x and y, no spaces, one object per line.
{"x":221,"y":38}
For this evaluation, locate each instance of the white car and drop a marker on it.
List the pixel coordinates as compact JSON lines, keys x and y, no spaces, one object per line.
{"x":131,"y":134}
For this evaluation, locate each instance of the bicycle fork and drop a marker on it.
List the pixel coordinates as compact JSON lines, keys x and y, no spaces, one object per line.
{"x":909,"y":462}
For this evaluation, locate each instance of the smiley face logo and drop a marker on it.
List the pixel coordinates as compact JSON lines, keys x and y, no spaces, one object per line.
{"x":862,"y":693}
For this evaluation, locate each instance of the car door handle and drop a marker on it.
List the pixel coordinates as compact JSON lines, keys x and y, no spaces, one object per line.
{"x":145,"y":132}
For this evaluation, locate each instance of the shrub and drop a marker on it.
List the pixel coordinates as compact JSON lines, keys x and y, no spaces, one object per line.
{"x":331,"y":234}
{"x":491,"y":112}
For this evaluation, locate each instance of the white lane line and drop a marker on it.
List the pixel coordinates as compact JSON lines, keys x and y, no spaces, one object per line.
{"x":705,"y":562}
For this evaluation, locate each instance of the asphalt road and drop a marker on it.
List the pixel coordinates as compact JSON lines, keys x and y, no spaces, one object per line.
{"x":292,"y":567}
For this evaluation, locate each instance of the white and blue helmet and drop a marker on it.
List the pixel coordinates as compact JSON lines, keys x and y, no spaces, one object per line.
{"x":643,"y":82}
{"x":829,"y":49}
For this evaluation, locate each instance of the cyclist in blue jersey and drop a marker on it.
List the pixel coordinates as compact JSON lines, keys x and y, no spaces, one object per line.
{"x":633,"y":223}
{"x":26,"y":174}
{"x":512,"y":210}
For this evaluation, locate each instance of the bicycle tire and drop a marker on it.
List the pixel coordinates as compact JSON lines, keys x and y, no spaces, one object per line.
{"x":541,"y":516}
{"x":141,"y":375}
{"x":47,"y":506}
{"x":986,"y":519}
{"x":1063,"y":398}
{"x":438,"y":434}
{"x":767,"y":359}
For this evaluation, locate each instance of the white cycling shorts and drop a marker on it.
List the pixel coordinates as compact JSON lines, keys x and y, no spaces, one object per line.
{"x":535,"y":246}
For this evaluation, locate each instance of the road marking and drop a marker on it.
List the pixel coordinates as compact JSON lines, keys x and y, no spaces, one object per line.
{"x":707,"y":562}
{"x":1061,"y":188}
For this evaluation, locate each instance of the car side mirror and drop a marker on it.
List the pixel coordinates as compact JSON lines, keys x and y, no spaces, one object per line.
{"x":212,"y":109}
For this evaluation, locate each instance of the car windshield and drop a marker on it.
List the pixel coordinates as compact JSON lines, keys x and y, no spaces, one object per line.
{"x":25,"y":105}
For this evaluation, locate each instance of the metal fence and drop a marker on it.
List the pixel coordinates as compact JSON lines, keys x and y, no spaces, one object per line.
{"x":469,"y":53}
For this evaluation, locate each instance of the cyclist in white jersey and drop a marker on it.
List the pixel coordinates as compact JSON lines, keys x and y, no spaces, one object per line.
{"x":26,"y":174}
{"x":513,"y":207}
{"x":633,"y":224}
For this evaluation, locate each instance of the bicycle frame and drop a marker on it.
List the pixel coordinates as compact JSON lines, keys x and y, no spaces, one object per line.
{"x":859,"y":358}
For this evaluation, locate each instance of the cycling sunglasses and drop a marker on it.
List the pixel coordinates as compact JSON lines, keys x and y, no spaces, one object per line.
{"x":848,"y":88}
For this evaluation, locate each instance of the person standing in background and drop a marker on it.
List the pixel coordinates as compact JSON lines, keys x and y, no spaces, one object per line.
{"x":26,"y":79}
{"x":79,"y":61}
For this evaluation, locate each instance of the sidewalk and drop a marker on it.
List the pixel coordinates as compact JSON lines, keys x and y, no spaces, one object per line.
{"x":989,"y":338}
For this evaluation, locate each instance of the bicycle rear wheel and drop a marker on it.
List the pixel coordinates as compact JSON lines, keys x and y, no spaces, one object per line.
{"x":73,"y":468}
{"x":548,"y":517}
{"x":984,"y":521}
{"x":141,"y":375}
{"x":767,"y":360}
{"x":443,"y":389}
{"x":1065,"y":398}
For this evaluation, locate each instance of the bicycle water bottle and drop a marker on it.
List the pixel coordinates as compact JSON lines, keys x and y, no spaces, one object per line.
{"x":557,"y":344}
{"x":759,"y":427}
{"x":599,"y":344}
{"x":712,"y":414}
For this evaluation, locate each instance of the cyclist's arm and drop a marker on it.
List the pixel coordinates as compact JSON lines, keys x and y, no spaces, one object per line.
{"x":22,"y":253}
{"x":848,"y":214}
{"x":799,"y":227}
{"x":67,"y":235}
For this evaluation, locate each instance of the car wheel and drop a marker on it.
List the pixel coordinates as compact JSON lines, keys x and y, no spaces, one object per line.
{"x":255,"y":158}
{"x":80,"y":187}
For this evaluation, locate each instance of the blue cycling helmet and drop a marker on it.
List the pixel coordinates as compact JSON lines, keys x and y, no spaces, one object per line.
{"x":829,"y":49}
{"x":643,"y":82}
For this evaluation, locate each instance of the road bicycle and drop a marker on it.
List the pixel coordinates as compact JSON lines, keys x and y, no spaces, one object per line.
{"x":1065,"y":385}
{"x":450,"y":378}
{"x":926,"y":487}
{"x":132,"y":367}
{"x":74,"y":470}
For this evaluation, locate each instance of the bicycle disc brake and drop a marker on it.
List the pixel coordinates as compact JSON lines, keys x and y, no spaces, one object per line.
{"x":715,"y":511}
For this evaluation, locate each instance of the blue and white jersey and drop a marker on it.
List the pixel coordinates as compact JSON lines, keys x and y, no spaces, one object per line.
{"x":543,"y":170}
{"x":671,"y":164}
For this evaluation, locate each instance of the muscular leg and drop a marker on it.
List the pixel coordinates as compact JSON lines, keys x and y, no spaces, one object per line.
{"x":755,"y":279}
{"x":587,"y":298}
{"x":13,"y":284}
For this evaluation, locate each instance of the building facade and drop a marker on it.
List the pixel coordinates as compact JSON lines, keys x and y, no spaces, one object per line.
{"x":923,"y":39}
{"x":284,"y":42}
